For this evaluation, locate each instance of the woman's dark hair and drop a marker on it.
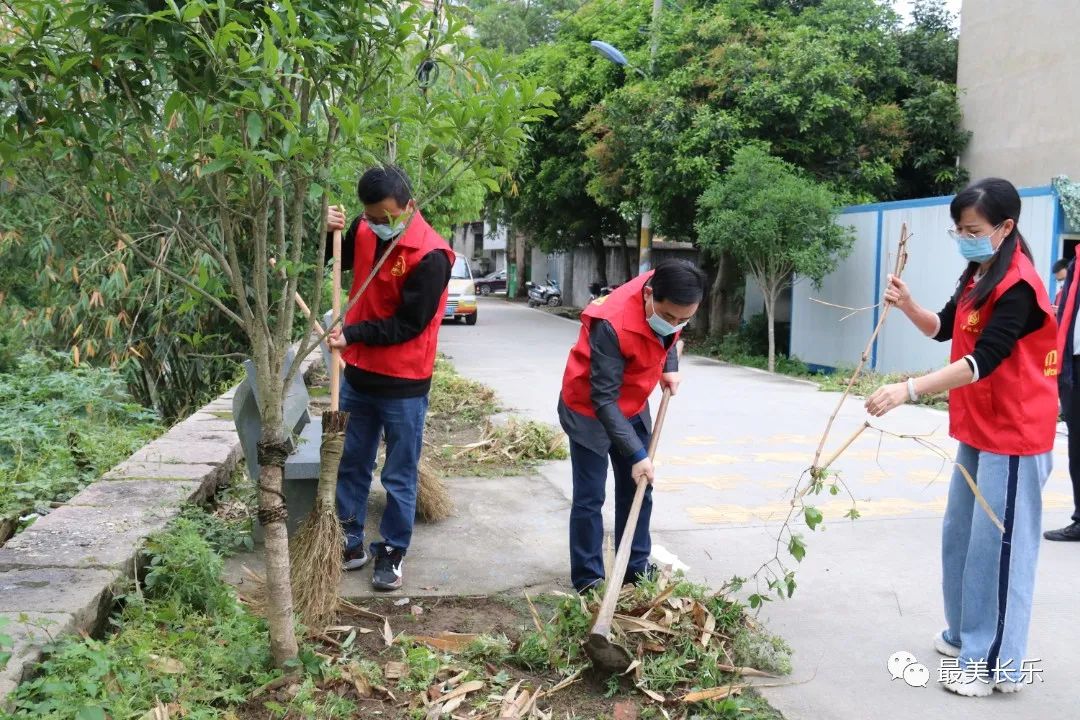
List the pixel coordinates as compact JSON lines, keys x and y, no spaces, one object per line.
{"x":1062,"y":264}
{"x":997,"y":201}
{"x":383,"y":182}
{"x":678,"y":281}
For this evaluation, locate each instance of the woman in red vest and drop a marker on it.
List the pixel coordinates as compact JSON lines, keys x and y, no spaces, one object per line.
{"x":1002,"y":385}
{"x":626,"y":347}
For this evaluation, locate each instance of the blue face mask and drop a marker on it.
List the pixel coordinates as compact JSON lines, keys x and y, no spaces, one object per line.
{"x":386,"y":232}
{"x":975,"y":249}
{"x":661,"y":326}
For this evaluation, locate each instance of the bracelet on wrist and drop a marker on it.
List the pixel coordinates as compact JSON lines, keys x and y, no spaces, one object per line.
{"x":913,"y":396}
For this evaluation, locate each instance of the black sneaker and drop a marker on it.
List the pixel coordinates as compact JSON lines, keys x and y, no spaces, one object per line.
{"x":356,"y":558}
{"x":387,"y":575}
{"x":1065,"y":534}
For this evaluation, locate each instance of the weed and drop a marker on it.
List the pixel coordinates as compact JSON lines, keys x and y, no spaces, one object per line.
{"x":226,"y":525}
{"x":422,"y":663}
{"x":61,"y":428}
{"x":183,"y":567}
{"x":457,"y":401}
{"x":494,"y":649}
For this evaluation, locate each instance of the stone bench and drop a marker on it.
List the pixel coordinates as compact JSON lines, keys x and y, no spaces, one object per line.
{"x":301,"y":472}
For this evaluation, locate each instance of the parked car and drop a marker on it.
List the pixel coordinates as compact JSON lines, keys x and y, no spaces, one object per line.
{"x":461,"y":301}
{"x":493,"y":283}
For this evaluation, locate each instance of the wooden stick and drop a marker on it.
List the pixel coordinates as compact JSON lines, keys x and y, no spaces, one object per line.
{"x":845,"y":446}
{"x":335,"y":353}
{"x":901,"y":262}
{"x":606,"y":613}
{"x":301,"y":304}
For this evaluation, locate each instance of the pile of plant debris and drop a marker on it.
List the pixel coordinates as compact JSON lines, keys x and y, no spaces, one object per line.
{"x":513,"y":658}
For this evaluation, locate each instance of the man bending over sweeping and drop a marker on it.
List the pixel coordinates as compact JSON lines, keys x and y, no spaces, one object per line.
{"x":626,"y":347}
{"x":388,"y":343}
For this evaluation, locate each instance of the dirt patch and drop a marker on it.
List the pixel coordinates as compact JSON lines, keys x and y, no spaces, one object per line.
{"x":402,"y":697}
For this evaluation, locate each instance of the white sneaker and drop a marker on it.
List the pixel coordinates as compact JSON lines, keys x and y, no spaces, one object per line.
{"x":1004,"y":686}
{"x":945,"y":647}
{"x":972,"y":687}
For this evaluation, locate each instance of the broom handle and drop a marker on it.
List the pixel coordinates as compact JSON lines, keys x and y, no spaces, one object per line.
{"x":335,"y":353}
{"x":622,"y":558}
{"x":301,"y":304}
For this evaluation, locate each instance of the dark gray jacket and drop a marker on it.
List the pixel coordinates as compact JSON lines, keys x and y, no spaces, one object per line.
{"x":610,"y":426}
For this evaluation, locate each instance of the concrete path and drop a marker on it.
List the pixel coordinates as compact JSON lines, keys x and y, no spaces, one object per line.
{"x":735,"y":444}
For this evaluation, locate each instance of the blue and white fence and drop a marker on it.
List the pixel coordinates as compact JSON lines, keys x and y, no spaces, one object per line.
{"x":821,"y":340}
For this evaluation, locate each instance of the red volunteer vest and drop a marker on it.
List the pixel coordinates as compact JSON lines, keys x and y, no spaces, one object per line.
{"x":412,"y":360}
{"x":1014,"y":410}
{"x":644,"y":353}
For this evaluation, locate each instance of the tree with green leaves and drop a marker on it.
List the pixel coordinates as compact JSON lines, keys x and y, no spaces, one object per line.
{"x":776,"y":222}
{"x":198,"y":140}
{"x":517,"y":25}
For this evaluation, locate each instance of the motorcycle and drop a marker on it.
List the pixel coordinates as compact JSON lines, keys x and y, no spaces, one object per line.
{"x":596,"y":291}
{"x":546,"y":294}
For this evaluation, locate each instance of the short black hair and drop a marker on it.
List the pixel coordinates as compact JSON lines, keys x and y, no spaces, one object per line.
{"x":1062,"y":264}
{"x":678,"y":281}
{"x":384,"y":181}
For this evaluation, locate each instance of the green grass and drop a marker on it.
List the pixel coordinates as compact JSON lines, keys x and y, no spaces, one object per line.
{"x":61,"y":428}
{"x":738,"y":349}
{"x":456,"y":400}
{"x":182,"y":640}
{"x":685,"y":664}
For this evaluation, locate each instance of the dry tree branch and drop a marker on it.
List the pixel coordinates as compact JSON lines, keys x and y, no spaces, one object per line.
{"x":898,"y":271}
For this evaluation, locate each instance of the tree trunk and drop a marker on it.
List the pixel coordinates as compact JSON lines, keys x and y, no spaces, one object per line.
{"x":519,"y":259}
{"x":279,"y":601}
{"x":725,"y":310}
{"x":770,"y":310}
{"x":600,"y":255}
{"x":629,"y":260}
{"x":272,"y":453}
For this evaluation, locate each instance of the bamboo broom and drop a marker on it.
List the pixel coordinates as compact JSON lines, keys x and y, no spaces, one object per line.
{"x":317,"y":553}
{"x":433,"y":502}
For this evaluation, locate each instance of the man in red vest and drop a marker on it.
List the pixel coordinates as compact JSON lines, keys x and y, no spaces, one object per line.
{"x":626,"y":347}
{"x":388,"y":343}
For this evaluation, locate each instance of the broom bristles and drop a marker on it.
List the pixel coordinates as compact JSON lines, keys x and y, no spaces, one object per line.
{"x":433,"y":502}
{"x":315,"y":557}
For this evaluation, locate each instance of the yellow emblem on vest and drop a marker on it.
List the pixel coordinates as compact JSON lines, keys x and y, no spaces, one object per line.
{"x":973,"y":318}
{"x":1050,"y":368}
{"x":399,"y":267}
{"x":600,"y":300}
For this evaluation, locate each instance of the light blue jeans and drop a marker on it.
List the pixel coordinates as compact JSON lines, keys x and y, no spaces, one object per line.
{"x":988,"y":577}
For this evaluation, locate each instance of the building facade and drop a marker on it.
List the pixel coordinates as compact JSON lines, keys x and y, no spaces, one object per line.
{"x":1018,"y":72}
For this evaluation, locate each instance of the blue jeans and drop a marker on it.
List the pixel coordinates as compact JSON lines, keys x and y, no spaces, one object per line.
{"x":587,"y":523}
{"x":403,"y":421}
{"x":988,"y":577}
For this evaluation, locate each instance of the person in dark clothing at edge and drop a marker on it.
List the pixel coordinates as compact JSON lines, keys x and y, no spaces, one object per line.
{"x":1003,"y":411}
{"x":1069,"y":394}
{"x":388,"y":343}
{"x":1061,"y":269}
{"x":627,"y":346}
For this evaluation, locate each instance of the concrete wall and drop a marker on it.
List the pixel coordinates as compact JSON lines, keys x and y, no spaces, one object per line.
{"x":819,"y":337}
{"x":1017,"y":73}
{"x":575,"y":271}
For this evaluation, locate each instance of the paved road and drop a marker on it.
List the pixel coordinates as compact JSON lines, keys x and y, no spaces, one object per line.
{"x":735,"y":443}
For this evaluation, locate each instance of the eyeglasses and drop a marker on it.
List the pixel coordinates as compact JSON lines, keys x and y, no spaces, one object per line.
{"x":957,"y":235}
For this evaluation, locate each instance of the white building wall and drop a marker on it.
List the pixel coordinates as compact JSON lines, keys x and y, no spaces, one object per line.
{"x":1017,"y":74}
